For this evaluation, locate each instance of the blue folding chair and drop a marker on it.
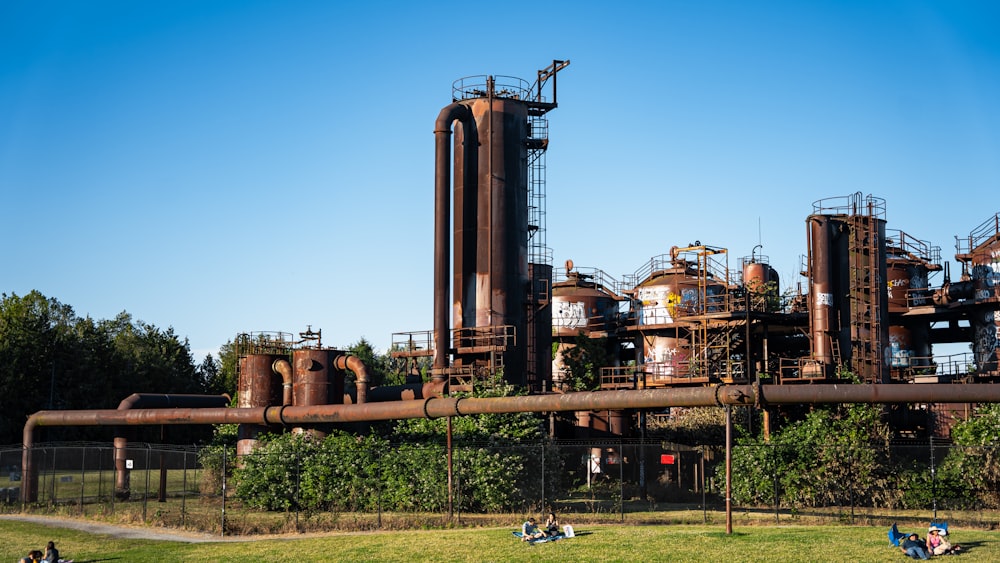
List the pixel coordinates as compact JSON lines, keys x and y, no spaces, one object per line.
{"x":895,"y":536}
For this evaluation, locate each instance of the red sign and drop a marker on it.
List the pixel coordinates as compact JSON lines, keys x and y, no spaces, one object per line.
{"x":666,"y":459}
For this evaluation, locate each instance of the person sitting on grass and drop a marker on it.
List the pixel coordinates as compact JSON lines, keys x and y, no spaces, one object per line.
{"x":530,"y":531}
{"x":552,"y":525}
{"x":938,"y":544}
{"x":51,"y":553}
{"x":913,"y":547}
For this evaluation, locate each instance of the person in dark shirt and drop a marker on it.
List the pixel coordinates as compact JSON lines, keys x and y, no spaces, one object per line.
{"x":51,"y":553}
{"x":913,"y":547}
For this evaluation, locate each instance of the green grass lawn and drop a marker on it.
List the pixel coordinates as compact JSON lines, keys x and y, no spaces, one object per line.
{"x":599,"y":542}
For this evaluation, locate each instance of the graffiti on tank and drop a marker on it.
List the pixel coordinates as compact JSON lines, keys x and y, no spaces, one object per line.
{"x":900,"y":356}
{"x":662,"y":358}
{"x":985,"y":337}
{"x":689,"y":301}
{"x":990,"y":276}
{"x":918,"y":281}
{"x":567,"y":314}
{"x":824,"y":299}
{"x":657,"y":305}
{"x":903,"y":285}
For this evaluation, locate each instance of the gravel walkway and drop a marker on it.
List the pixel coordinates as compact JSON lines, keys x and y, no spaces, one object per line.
{"x":129,"y":532}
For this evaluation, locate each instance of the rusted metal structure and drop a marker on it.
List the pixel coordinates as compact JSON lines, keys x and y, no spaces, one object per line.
{"x":848,"y":294}
{"x":441,"y":407}
{"x":909,"y":265}
{"x":482,"y":324}
{"x":584,"y":303}
{"x":684,"y":320}
{"x":979,"y":254}
{"x":694,"y":333}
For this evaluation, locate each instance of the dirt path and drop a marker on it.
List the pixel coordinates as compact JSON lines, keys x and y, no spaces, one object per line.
{"x":117,"y":531}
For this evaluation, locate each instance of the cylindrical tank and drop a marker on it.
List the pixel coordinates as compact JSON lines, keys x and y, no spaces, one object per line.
{"x":315,"y":380}
{"x":665,"y":357}
{"x":762,"y":283}
{"x":258,"y":387}
{"x":675,"y":292}
{"x":901,"y":345}
{"x":491,"y":223}
{"x":909,"y":346}
{"x":907,"y":282}
{"x":760,"y":277}
{"x":579,"y":305}
{"x":820,"y":287}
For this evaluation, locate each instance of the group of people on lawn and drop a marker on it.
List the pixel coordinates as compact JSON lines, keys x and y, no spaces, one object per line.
{"x":35,"y":556}
{"x":936,"y":544}
{"x":531,"y":531}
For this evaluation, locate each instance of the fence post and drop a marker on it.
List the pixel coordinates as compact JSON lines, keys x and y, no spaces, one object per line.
{"x":621,"y":478}
{"x":378,"y":486}
{"x":458,"y":483}
{"x":145,"y":493}
{"x":83,"y":476}
{"x":542,"y":445}
{"x":933,"y":476}
{"x":184,"y":484}
{"x":852,"y":489}
{"x":704,"y":497}
{"x":52,"y":479}
{"x":774,"y":474}
{"x":112,"y":495}
{"x":298,"y":481}
{"x":224,"y":460}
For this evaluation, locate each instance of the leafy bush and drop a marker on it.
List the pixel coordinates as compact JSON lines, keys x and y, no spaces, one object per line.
{"x":833,"y":456}
{"x":344,"y":472}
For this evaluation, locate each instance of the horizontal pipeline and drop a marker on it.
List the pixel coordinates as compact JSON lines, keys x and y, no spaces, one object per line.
{"x":439,"y":407}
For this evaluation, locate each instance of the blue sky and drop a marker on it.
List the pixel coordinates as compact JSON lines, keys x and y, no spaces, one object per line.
{"x":223,"y":167}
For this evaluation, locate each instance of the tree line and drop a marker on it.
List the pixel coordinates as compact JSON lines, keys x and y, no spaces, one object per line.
{"x":51,"y":358}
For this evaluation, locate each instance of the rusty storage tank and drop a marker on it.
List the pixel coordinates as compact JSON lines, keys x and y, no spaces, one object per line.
{"x":315,"y":379}
{"x":909,"y":262}
{"x":848,"y":295}
{"x":674,"y":290}
{"x":761,"y":281}
{"x":759,"y":276}
{"x":259,"y":386}
{"x":582,"y":304}
{"x":665,"y":357}
{"x":491,"y":214}
{"x":909,"y":347}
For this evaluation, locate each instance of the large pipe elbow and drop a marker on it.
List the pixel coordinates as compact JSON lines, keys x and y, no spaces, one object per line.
{"x":363,"y":381}
{"x":29,"y":482}
{"x":442,"y":228}
{"x":284,"y":369}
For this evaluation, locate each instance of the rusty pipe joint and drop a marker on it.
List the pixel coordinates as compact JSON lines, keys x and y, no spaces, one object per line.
{"x":363,"y":381}
{"x":284,"y":369}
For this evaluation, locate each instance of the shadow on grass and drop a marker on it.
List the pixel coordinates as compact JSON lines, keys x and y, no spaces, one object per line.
{"x":724,"y":535}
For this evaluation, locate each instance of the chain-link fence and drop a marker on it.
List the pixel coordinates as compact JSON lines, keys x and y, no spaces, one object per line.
{"x":405,"y":485}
